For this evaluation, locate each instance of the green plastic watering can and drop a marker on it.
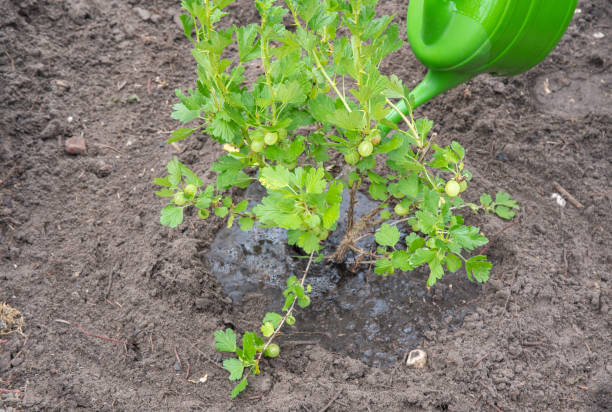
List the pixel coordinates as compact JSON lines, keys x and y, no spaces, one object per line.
{"x":459,"y":39}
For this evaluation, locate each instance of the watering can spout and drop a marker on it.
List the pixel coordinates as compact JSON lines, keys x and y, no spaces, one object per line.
{"x":434,"y":83}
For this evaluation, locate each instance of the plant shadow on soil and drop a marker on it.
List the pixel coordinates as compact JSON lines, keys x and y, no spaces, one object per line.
{"x":369,"y":317}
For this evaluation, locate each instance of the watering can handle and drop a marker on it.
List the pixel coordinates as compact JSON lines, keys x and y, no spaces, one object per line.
{"x":434,"y":83}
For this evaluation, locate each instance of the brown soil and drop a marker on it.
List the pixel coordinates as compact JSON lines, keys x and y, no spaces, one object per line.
{"x":82,"y":252}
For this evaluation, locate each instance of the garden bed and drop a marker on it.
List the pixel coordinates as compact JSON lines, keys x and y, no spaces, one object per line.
{"x":119,"y":312}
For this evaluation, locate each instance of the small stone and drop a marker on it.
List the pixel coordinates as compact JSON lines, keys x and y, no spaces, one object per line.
{"x":75,"y":145}
{"x":177,"y":366}
{"x":515,"y":349}
{"x":16,"y":362}
{"x":598,"y":35}
{"x":430,"y":335}
{"x":502,"y":156}
{"x":417,"y":359}
{"x":5,"y":362}
{"x":52,"y":129}
{"x":155,"y":18}
{"x":142,"y":13}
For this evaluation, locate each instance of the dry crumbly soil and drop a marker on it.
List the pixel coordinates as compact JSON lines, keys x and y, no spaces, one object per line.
{"x":82,"y":252}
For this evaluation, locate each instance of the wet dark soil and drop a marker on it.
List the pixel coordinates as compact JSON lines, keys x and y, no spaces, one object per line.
{"x":119,"y":312}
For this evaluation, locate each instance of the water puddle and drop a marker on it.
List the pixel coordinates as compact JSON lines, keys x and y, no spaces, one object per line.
{"x":361,"y":314}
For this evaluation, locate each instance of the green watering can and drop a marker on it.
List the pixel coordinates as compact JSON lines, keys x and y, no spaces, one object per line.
{"x":459,"y":39}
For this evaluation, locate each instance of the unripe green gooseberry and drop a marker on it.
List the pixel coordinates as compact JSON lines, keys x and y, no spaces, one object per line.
{"x":352,"y":157}
{"x":190,"y":190}
{"x":203,"y":214}
{"x":179,"y":199}
{"x":375,"y":137}
{"x":272,"y":351}
{"x":452,"y":188}
{"x":365,"y":148}
{"x":401,"y":210}
{"x":462,"y":186}
{"x":270,"y":138}
{"x":257,"y":146}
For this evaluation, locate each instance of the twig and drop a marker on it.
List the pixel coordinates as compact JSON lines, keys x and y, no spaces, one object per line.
{"x":508,"y":226}
{"x":408,"y":122}
{"x":351,"y":211}
{"x":289,"y":312}
{"x":567,"y":195}
{"x":22,"y":347}
{"x":109,"y":147}
{"x":93,"y":335}
{"x":178,"y":358}
{"x":533,"y":343}
{"x":10,"y":390}
{"x":11,"y":59}
{"x":3,"y":341}
{"x":480,"y":359}
{"x":188,"y":369}
{"x":110,"y":284}
{"x":301,"y":342}
{"x":331,"y":402}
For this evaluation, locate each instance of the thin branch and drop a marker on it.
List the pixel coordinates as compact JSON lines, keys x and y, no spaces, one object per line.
{"x":289,"y":312}
{"x":331,"y":83}
{"x":403,"y":116}
{"x":508,"y":226}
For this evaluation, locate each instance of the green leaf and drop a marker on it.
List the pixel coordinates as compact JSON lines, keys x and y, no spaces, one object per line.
{"x":453,"y":263}
{"x":290,"y":93}
{"x":401,"y":260}
{"x":162,"y":181}
{"x":315,"y":181}
{"x":378,"y":191}
{"x":239,"y":388}
{"x":504,"y":199}
{"x":275,"y":178}
{"x":345,"y":120}
{"x":246,"y":223}
{"x":165,"y":192}
{"x":321,"y":107}
{"x":183,"y":114}
{"x":171,"y":216}
{"x":468,"y":237}
{"x":180,"y":134}
{"x":248,"y":345}
{"x":457,"y":148}
{"x":387,"y":235}
{"x":436,"y":271}
{"x":485,"y":199}
{"x":267,"y":329}
{"x":383,"y":267}
{"x":248,"y":44}
{"x":221,"y":211}
{"x":478,"y":268}
{"x":234,"y":367}
{"x":421,"y":256}
{"x":309,"y":242}
{"x":504,"y":212}
{"x":273,"y":318}
{"x":225,"y":341}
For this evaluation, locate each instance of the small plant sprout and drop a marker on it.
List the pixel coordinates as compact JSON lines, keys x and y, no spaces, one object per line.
{"x":318,"y":102}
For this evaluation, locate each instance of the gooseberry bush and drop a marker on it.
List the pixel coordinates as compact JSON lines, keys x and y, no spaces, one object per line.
{"x":312,"y":129}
